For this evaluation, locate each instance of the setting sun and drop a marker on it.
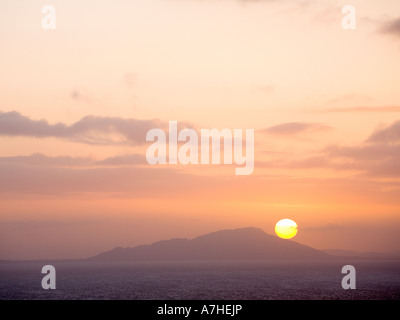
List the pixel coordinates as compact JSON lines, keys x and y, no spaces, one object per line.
{"x":286,"y":228}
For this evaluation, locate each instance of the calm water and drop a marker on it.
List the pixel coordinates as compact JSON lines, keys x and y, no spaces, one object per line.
{"x":201,"y":280}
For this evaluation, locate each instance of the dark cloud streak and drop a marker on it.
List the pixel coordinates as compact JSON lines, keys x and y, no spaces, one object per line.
{"x":38,"y":159}
{"x":392,"y":27}
{"x":90,"y":129}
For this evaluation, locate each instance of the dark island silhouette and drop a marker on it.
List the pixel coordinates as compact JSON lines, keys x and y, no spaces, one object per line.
{"x":237,"y":244}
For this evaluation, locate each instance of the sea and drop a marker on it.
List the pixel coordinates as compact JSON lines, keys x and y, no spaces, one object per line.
{"x":201,"y":280}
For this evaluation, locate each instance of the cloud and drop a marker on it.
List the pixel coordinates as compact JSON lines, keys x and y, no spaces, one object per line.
{"x":311,"y":162}
{"x":365,"y":109}
{"x":392,"y":27}
{"x":377,"y":156}
{"x":370,"y":159}
{"x":134,"y":181}
{"x":15,"y":124}
{"x":365,"y":152}
{"x":124,"y":160}
{"x":390,"y":134}
{"x":38,"y":159}
{"x":349,"y":97}
{"x":78,"y":95}
{"x":90,"y":129}
{"x":171,"y":182}
{"x":100,"y":130}
{"x":293,"y":128}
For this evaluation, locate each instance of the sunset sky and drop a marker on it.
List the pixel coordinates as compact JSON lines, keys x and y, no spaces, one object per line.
{"x":76,"y":104}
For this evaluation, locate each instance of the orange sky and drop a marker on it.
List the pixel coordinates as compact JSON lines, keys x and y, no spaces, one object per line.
{"x":76,"y":103}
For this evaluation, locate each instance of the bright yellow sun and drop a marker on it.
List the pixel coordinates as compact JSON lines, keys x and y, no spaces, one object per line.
{"x":286,"y":228}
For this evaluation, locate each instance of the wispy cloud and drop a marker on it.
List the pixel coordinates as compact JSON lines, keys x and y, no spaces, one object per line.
{"x":123,"y":160}
{"x":138,"y":182}
{"x":173,"y":183}
{"x":391,"y":27}
{"x":38,"y":159}
{"x":79,"y":95}
{"x":349,"y":97}
{"x":377,"y":156}
{"x":364,"y":109}
{"x":293,"y":128}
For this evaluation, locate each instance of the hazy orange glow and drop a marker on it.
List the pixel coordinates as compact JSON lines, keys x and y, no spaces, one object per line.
{"x":77,"y":102}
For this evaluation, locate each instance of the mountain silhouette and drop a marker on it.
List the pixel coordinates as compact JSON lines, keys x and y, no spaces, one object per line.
{"x":237,"y":244}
